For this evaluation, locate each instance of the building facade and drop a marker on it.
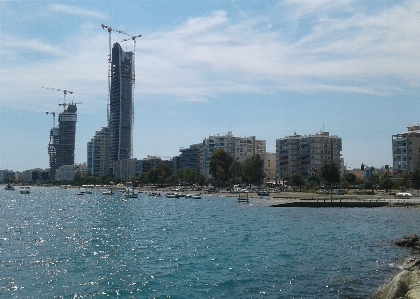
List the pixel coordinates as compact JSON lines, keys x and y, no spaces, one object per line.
{"x":63,"y":139}
{"x":237,"y":147}
{"x":307,"y":154}
{"x":406,"y":150}
{"x":125,"y":169}
{"x":98,"y":153}
{"x":121,"y":107}
{"x":67,"y":172}
{"x":191,"y":157}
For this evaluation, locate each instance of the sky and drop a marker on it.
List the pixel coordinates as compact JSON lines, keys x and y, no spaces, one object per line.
{"x":254,"y":68}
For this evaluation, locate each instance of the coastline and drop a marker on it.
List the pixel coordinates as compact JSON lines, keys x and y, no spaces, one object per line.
{"x":406,"y":284}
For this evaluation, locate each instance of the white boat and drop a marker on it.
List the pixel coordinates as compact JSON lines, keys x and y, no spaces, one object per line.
{"x":25,"y":190}
{"x":107,"y":192}
{"x":194,"y":196}
{"x":171,"y":195}
{"x":130,"y":194}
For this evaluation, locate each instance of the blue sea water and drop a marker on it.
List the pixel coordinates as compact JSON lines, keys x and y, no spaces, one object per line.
{"x":55,"y":244}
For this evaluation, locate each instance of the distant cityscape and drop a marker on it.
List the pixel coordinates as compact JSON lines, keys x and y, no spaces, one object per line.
{"x":110,"y":150}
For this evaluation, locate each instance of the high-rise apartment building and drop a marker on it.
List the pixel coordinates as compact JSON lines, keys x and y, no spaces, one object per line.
{"x":97,"y":153}
{"x":307,"y":154}
{"x":237,"y":147}
{"x":121,"y":106}
{"x":406,"y":150}
{"x":63,"y":139}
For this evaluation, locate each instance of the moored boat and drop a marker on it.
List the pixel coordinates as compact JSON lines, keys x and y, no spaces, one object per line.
{"x":263,"y":193}
{"x":25,"y":190}
{"x":129,"y":193}
{"x":9,"y":187}
{"x":107,"y":192}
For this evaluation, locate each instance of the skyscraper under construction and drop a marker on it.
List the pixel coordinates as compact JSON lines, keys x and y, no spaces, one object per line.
{"x":121,"y":105}
{"x":63,"y":139}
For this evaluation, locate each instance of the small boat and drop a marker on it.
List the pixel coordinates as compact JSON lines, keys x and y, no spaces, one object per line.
{"x":107,"y":192}
{"x":130,"y":194}
{"x":196,"y":196}
{"x":263,"y":193}
{"x":25,"y":190}
{"x":9,"y":187}
{"x":171,"y":195}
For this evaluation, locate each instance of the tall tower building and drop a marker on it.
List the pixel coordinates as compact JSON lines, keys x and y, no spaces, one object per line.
{"x":121,"y":106}
{"x":63,"y":140}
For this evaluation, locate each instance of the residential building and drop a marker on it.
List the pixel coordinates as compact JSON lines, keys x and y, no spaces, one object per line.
{"x":268,"y":166}
{"x":406,"y":150}
{"x":121,"y":107}
{"x":237,"y":147}
{"x":63,"y":139}
{"x":307,"y":154}
{"x":98,"y":152}
{"x":191,"y":157}
{"x":67,"y":172}
{"x":5,"y":173}
{"x":147,"y":164}
{"x":125,"y":169}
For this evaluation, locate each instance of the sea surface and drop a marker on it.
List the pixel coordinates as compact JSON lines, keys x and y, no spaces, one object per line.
{"x":55,"y":244}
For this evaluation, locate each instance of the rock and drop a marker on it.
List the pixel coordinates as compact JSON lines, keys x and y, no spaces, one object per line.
{"x":404,"y":285}
{"x":410,"y":241}
{"x":412,"y":263}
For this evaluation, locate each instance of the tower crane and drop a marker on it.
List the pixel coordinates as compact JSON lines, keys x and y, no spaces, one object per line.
{"x":65,"y":93}
{"x":53,"y":114}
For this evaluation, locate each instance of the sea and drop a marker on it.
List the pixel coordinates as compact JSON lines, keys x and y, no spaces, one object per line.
{"x":56,"y":244}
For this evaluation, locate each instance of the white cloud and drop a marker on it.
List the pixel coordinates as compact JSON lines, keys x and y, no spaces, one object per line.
{"x":77,"y":11}
{"x":362,"y":52}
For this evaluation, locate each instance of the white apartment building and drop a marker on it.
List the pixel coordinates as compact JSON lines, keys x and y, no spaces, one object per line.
{"x":406,"y":150}
{"x":67,"y":172}
{"x":307,"y":154}
{"x":237,"y":147}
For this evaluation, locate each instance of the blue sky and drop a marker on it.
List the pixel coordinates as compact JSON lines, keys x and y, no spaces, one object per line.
{"x":256,"y":68}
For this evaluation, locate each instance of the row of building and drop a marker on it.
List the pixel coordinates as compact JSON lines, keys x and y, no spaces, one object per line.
{"x":305,"y":154}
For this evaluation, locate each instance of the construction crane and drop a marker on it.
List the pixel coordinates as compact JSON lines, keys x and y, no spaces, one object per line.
{"x":65,"y":93}
{"x":53,"y":114}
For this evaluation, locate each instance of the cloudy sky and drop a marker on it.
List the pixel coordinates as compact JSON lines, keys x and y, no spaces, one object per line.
{"x":256,"y":68}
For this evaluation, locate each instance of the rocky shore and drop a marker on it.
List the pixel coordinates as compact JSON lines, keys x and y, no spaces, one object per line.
{"x":406,"y":284}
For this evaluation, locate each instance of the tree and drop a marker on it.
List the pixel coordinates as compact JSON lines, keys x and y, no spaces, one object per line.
{"x":404,"y":180}
{"x":386,"y":183}
{"x":159,"y":174}
{"x":220,"y":162}
{"x":253,"y":170}
{"x":298,"y":180}
{"x":351,"y":178}
{"x":374,"y":180}
{"x":236,"y":171}
{"x":313,"y":182}
{"x":415,"y":179}
{"x":330,"y":174}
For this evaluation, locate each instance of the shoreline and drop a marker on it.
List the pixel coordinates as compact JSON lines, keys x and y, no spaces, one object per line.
{"x":405,"y":284}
